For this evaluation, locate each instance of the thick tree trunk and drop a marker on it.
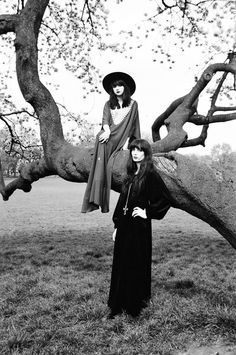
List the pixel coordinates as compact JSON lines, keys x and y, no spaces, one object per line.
{"x":200,"y":191}
{"x":194,"y":188}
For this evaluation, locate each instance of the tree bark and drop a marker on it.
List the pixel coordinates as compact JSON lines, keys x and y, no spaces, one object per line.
{"x":200,"y":191}
{"x":194,"y":188}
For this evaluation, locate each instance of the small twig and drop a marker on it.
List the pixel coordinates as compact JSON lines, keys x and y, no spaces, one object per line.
{"x":17,"y":113}
{"x":22,"y":5}
{"x":8,"y":126}
{"x":168,"y":6}
{"x":51,"y":29}
{"x":90,"y":20}
{"x":64,"y":107}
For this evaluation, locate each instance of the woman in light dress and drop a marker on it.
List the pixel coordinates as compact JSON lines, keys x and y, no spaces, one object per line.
{"x":120,"y":126}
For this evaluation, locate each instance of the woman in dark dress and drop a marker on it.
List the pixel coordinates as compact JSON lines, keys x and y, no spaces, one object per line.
{"x":144,"y":196}
{"x":120,"y":125}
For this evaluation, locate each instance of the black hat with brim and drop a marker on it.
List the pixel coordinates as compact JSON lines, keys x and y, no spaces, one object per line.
{"x":112,"y":77}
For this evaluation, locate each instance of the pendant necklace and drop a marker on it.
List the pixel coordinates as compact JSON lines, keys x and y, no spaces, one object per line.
{"x":125,"y":209}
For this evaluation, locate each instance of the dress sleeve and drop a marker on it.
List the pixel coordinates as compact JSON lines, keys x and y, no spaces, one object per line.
{"x":106,"y":118}
{"x":158,"y":196}
{"x":118,"y":211}
{"x":135,"y":133}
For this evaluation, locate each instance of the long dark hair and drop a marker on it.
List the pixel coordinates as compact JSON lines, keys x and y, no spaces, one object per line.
{"x":145,"y":167}
{"x":113,"y":101}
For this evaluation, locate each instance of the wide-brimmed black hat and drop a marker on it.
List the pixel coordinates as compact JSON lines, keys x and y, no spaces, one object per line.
{"x":110,"y":78}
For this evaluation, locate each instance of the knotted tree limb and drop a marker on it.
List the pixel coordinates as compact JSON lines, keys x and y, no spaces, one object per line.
{"x":184,"y":109}
{"x":28,"y":174}
{"x":193,"y":188}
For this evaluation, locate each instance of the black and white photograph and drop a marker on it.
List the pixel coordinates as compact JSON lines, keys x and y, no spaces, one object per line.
{"x":117,"y":177}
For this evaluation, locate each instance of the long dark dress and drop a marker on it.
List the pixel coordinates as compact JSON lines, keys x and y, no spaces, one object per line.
{"x":99,"y":182}
{"x":130,"y":288}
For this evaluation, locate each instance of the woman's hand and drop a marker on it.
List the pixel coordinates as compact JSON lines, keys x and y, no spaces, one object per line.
{"x":138,"y":212}
{"x":114,"y":235}
{"x":104,"y":136}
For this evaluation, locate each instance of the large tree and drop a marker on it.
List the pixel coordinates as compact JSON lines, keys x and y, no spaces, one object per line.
{"x":194,"y":187}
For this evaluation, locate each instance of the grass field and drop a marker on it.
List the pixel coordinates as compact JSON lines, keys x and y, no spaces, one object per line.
{"x":55,"y":268}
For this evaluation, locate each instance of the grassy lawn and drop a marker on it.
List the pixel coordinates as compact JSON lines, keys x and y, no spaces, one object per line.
{"x":55,"y":268}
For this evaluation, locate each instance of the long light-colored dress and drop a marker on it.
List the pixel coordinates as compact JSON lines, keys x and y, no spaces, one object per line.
{"x":123,"y":124}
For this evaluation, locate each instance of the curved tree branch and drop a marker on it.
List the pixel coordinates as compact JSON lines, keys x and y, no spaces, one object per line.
{"x":167,"y":6}
{"x":200,"y":120}
{"x":33,"y":90}
{"x":183,"y":110}
{"x":160,"y":121}
{"x":198,"y":140}
{"x":8,"y":126}
{"x":17,"y":113}
{"x":8,"y":23}
{"x":28,"y":174}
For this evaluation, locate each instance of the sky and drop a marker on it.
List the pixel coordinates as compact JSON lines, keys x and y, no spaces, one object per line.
{"x":156,"y":84}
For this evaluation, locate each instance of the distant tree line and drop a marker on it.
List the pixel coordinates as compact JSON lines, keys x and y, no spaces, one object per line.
{"x":12,"y":163}
{"x":222,"y":160}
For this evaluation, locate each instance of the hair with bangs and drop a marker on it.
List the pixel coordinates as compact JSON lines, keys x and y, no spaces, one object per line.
{"x":113,"y":101}
{"x":145,"y":167}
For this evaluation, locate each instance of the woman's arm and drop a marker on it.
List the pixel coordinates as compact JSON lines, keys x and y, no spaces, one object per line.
{"x":106,"y":116}
{"x":118,"y":211}
{"x":158,"y":195}
{"x":135,"y":130}
{"x":104,"y":137}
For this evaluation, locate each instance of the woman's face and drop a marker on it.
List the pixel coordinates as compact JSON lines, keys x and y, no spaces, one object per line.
{"x":137,"y":155}
{"x":118,"y":90}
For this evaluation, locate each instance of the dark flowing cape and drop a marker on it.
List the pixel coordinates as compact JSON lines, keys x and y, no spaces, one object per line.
{"x":99,"y":182}
{"x":130,"y":288}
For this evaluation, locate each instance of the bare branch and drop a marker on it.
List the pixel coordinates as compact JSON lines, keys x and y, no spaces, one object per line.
{"x":225,"y":108}
{"x":200,"y":120}
{"x":222,"y":118}
{"x":167,"y":6}
{"x":15,"y":140}
{"x":90,"y":20}
{"x":183,"y":110}
{"x":28,"y":174}
{"x":8,"y":126}
{"x":32,"y":88}
{"x":20,"y":5}
{"x":160,"y":120}
{"x":50,"y":28}
{"x":17,"y":113}
{"x":8,"y":23}
{"x":199,"y":140}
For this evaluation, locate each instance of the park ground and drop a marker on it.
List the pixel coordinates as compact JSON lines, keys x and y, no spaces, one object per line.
{"x":55,"y":268}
